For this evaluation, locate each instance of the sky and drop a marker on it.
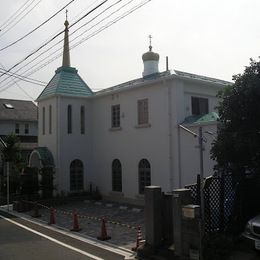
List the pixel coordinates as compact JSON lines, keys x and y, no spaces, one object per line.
{"x":214,"y":38}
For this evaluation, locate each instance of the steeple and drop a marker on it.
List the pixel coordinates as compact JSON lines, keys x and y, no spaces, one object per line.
{"x":150,"y":60}
{"x":66,"y":49}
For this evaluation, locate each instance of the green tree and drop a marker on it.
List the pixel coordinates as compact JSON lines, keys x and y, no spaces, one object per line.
{"x":11,"y":149}
{"x":237,"y":147}
{"x":11,"y":153}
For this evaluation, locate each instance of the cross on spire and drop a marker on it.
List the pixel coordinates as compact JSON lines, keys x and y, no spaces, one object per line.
{"x":150,"y":42}
{"x":66,"y":14}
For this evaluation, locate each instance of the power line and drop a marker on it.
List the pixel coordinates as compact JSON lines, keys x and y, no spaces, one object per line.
{"x":36,"y":81}
{"x":57,"y":56}
{"x":86,"y":38}
{"x":16,"y":83}
{"x":36,"y":28}
{"x":20,"y":19}
{"x":32,"y":53}
{"x":3,"y":25}
{"x":75,"y":32}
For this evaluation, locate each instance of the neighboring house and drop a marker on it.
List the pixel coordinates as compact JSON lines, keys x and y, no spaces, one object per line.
{"x":125,"y":137}
{"x":19,"y":117}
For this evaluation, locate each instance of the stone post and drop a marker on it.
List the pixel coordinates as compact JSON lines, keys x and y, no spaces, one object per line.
{"x":180,"y":197}
{"x":153,"y":216}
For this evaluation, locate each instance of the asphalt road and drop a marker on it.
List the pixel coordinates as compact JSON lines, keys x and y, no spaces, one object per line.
{"x":23,"y":240}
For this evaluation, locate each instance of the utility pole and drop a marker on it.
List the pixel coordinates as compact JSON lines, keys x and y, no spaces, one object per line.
{"x":202,"y":204}
{"x":7,"y":177}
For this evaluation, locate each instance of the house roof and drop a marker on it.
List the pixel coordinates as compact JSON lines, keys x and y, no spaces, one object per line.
{"x":161,"y":75}
{"x":18,"y":110}
{"x":202,"y":78}
{"x":199,"y":119}
{"x":66,"y":82}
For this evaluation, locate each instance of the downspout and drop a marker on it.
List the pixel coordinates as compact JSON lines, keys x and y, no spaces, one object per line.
{"x":179,"y":157}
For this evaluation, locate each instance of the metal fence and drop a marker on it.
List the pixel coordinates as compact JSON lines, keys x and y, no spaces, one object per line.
{"x":219,"y":196}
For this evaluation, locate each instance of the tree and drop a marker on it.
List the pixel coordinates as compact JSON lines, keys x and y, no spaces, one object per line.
{"x":237,"y":147}
{"x":11,"y":153}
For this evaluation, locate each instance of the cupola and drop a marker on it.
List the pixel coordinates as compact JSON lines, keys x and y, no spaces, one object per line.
{"x":151,"y":61}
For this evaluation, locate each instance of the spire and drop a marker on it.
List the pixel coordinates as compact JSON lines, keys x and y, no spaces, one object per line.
{"x":66,"y":49}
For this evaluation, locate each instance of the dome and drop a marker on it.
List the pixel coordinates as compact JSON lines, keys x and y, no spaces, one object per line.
{"x":150,"y":55}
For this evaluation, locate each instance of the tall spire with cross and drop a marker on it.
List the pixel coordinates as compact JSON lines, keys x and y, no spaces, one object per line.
{"x":66,"y":49}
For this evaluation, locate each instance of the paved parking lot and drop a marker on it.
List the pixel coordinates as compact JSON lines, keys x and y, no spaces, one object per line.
{"x":121,"y":220}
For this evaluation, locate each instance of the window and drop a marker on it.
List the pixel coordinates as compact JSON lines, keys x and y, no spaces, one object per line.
{"x":17,"y":128}
{"x":116,"y":176}
{"x":76,"y":175}
{"x":143,"y":111}
{"x":26,"y":128}
{"x":82,"y":120}
{"x":8,"y":106}
{"x":50,"y":119}
{"x":43,"y":120}
{"x":144,"y":171}
{"x":115,"y":114}
{"x":200,"y":106}
{"x":69,"y":114}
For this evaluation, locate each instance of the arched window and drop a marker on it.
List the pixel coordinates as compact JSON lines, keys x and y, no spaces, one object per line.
{"x":144,"y":172}
{"x":69,"y":114}
{"x":116,"y":175}
{"x":76,"y":175}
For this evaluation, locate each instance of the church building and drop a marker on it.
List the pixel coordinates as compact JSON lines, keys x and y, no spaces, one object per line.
{"x":126,"y":137}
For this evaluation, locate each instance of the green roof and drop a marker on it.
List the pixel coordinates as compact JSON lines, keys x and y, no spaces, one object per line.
{"x":66,"y":82}
{"x":45,"y":156}
{"x":199,"y":119}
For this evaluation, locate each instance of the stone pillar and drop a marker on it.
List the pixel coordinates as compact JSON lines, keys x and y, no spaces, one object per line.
{"x":180,"y":197}
{"x":153,"y":216}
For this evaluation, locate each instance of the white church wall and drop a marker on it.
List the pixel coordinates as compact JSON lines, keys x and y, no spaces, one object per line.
{"x":131,"y":143}
{"x":75,"y":145}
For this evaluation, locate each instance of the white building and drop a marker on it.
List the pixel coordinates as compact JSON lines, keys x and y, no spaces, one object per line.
{"x":123,"y":138}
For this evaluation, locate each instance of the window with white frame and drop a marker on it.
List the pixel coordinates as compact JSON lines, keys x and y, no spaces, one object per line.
{"x":143,"y":116}
{"x":116,"y":175}
{"x":82,"y":120}
{"x":43,"y":120}
{"x":69,"y":118}
{"x":144,"y":172}
{"x":115,"y":116}
{"x":50,"y":119}
{"x":199,"y":106}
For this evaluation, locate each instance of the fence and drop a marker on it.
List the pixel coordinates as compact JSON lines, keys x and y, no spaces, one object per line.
{"x":219,"y":197}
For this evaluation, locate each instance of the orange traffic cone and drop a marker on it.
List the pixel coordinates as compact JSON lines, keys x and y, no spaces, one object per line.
{"x":76,"y":227}
{"x":52,"y":217}
{"x":103,"y":236}
{"x":138,"y":239}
